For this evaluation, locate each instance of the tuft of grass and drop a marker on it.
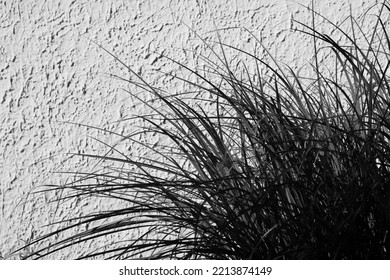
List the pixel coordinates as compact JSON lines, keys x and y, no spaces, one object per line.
{"x":278,"y":167}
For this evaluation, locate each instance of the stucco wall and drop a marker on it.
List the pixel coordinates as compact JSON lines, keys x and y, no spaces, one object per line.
{"x":52,"y":73}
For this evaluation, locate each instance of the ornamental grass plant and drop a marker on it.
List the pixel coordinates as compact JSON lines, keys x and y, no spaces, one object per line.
{"x":282,"y":167}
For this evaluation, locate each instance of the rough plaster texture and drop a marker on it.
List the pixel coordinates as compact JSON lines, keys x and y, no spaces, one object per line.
{"x":53,"y":73}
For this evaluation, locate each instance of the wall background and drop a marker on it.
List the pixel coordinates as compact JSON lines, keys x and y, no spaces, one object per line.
{"x":52,"y":73}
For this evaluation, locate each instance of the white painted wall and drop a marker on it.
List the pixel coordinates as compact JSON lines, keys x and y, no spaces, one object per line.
{"x":51,"y":72}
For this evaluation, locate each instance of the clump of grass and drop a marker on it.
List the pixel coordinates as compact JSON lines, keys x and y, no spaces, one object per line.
{"x":283,"y":167}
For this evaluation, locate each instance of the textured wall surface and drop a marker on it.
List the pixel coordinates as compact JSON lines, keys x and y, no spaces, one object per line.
{"x":53,"y":75}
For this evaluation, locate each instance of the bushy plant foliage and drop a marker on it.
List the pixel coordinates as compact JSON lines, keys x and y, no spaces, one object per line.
{"x":283,"y":167}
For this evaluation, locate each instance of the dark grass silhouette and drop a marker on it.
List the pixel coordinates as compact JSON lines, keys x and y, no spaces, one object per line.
{"x":283,"y":168}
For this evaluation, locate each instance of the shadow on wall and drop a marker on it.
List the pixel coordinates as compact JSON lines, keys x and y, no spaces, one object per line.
{"x":252,"y":161}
